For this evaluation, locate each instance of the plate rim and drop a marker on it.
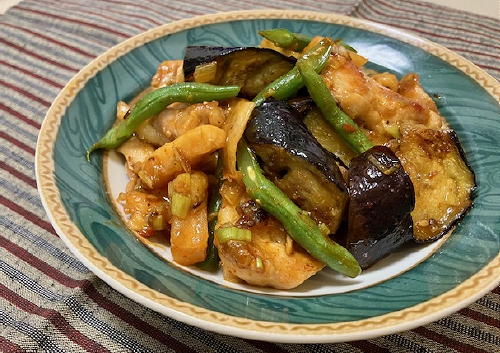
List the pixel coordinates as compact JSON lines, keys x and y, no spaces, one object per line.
{"x":451,"y":301}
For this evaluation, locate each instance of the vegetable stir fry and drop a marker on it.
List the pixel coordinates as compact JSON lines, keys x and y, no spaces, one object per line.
{"x":273,"y":162}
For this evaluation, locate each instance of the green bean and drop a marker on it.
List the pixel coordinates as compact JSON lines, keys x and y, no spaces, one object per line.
{"x":339,"y":120}
{"x":283,"y":38}
{"x":154,"y":102}
{"x":295,"y":221}
{"x":211,"y":262}
{"x":288,"y":84}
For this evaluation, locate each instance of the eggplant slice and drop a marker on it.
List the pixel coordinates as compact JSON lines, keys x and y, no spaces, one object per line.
{"x":306,"y":172}
{"x":381,"y":199}
{"x":250,"y":68}
{"x":442,"y":179}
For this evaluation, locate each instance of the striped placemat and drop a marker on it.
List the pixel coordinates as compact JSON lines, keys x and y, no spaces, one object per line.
{"x":48,"y":300}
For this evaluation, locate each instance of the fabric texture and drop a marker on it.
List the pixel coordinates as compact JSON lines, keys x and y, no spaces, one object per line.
{"x":49,"y":301}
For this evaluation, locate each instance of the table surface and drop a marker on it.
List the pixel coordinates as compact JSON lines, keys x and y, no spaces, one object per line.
{"x":48,"y":300}
{"x":481,"y":7}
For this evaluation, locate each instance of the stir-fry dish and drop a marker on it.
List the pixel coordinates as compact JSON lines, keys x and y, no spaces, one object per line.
{"x":275,"y":161}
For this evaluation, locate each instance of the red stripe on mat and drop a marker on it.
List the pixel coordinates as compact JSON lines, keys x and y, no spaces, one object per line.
{"x":449,"y":14}
{"x":42,"y":266}
{"x":51,"y":40}
{"x":488,"y":67}
{"x":446,"y":341}
{"x":166,"y":6}
{"x":33,"y":218}
{"x":266,"y":346}
{"x":20,"y":116}
{"x":112,"y":10}
{"x":473,"y":52}
{"x":404,"y":10}
{"x":427,"y":34}
{"x":213,"y":6}
{"x":32,"y":74}
{"x":297,"y":2}
{"x":366,"y":346}
{"x":152,"y":20}
{"x":337,"y":3}
{"x":18,"y":174}
{"x":30,"y":53}
{"x":475,"y":315}
{"x":126,"y":3}
{"x":17,"y":143}
{"x":112,"y":19}
{"x":55,"y":318}
{"x":88,"y":288}
{"x":9,"y":347}
{"x":66,"y":19}
{"x":164,"y":14}
{"x":133,"y":320}
{"x":25,"y":93}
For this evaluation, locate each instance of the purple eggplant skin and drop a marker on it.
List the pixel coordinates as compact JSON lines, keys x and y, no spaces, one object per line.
{"x":381,"y":200}
{"x":278,"y":124}
{"x":292,"y":158}
{"x":250,"y":68}
{"x":197,"y":55}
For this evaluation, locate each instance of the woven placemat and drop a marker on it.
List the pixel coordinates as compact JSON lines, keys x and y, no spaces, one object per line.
{"x":48,"y":300}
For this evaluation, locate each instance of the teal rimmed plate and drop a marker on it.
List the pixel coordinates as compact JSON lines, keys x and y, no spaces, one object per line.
{"x":449,"y":276}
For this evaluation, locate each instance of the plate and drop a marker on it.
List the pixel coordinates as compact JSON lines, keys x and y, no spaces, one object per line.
{"x":443,"y":280}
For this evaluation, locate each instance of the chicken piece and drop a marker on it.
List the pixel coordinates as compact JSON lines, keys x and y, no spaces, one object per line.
{"x":372,"y":105}
{"x":409,"y":87}
{"x":148,"y":132}
{"x":135,"y":152}
{"x":387,"y":80}
{"x":175,"y":122}
{"x":147,"y":212}
{"x":181,"y":155}
{"x":189,"y":234}
{"x":179,"y":118}
{"x":168,"y":73}
{"x":271,"y":258}
{"x":265,"y":261}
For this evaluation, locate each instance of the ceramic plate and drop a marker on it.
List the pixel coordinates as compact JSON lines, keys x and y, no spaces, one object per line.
{"x":410,"y":288}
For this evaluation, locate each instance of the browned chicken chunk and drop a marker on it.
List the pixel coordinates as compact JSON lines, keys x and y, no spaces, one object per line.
{"x":271,"y":258}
